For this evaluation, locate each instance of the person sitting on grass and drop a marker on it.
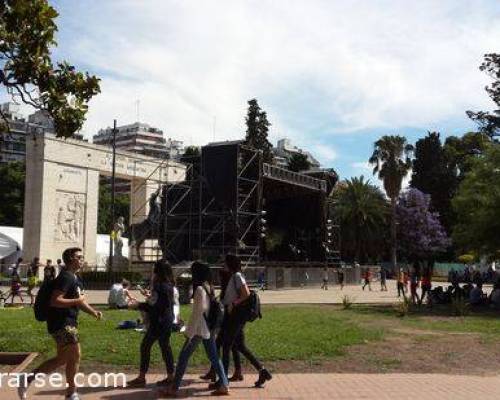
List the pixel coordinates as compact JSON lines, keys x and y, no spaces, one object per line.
{"x":494,"y":298}
{"x":62,"y":324}
{"x":476,"y":295}
{"x":120,"y":297}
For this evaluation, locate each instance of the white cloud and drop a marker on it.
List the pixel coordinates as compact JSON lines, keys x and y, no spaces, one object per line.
{"x":325,"y":154}
{"x":359,"y":64}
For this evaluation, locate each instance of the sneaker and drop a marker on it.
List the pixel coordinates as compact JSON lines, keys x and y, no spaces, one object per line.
{"x":73,"y":396}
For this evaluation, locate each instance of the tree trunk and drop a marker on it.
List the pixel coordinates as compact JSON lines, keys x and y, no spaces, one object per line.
{"x":393,"y":234}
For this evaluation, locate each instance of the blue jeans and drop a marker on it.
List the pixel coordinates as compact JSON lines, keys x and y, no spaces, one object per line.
{"x":188,"y":349}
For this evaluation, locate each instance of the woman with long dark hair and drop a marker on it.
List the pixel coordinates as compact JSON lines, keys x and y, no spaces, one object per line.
{"x":198,"y":331}
{"x":236,"y":293}
{"x":159,"y":308}
{"x":225,"y":277}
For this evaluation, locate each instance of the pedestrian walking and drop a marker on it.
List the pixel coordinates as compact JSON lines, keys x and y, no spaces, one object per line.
{"x":49,"y":272}
{"x":160,"y":312}
{"x":401,"y":283}
{"x":198,"y":331}
{"x":426,"y":285}
{"x":237,"y":292}
{"x":340,"y":277}
{"x":32,"y":276}
{"x":383,"y":280}
{"x":15,"y":288}
{"x":367,"y":279}
{"x":61,"y":309}
{"x":324,"y":286}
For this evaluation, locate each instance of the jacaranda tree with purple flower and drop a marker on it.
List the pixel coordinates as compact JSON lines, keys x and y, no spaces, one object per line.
{"x":420,"y":232}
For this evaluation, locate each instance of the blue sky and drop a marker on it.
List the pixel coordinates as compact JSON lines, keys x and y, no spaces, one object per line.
{"x":333,"y":76}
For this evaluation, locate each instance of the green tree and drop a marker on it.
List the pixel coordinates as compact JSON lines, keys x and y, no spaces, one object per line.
{"x":489,"y":122}
{"x":12,"y":193}
{"x":434,"y":174}
{"x":392,"y":162}
{"x":122,"y":208}
{"x":462,"y":151}
{"x":27,"y":34}
{"x":298,"y":162}
{"x":258,"y":130}
{"x":477,"y":206}
{"x":363,"y":213}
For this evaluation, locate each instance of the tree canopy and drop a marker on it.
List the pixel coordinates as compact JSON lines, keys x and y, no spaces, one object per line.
{"x":12,"y":193}
{"x":27,"y":35}
{"x":434,"y":173}
{"x":363,"y":213}
{"x":477,"y":205}
{"x":420,"y":233}
{"x":489,"y":122}
{"x":392,"y":162}
{"x":298,"y":162}
{"x":122,"y":208}
{"x":258,"y":130}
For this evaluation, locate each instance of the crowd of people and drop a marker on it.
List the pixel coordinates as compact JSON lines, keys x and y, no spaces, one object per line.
{"x":222,"y":334}
{"x":50,"y":272}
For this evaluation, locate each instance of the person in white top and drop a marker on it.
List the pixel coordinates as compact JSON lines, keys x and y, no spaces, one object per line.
{"x":119,"y":297}
{"x":236,"y":294}
{"x":197,"y":331}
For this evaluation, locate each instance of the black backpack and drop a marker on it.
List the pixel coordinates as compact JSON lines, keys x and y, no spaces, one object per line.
{"x":251,"y":307}
{"x":215,"y":313}
{"x":42,"y":301}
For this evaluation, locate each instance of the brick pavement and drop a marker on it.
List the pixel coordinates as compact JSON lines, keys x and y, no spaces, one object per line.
{"x":314,"y":387}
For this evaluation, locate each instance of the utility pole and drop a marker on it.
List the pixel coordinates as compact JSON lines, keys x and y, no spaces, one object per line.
{"x":113,"y":166}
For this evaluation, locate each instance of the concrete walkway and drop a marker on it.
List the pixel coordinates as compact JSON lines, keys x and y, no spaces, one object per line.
{"x":312,"y":387}
{"x":305,"y":295}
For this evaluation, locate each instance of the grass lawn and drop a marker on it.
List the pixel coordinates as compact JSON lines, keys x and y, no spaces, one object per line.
{"x":315,"y":338}
{"x":307,"y":333}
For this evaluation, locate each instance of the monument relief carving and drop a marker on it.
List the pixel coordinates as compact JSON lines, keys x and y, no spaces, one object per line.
{"x":70,"y":219}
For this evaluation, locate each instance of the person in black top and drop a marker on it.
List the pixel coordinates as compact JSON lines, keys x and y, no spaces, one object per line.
{"x":62,"y":323}
{"x":49,"y":272}
{"x":160,"y":309}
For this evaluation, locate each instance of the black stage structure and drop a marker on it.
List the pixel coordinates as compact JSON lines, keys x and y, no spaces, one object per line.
{"x":233,"y":202}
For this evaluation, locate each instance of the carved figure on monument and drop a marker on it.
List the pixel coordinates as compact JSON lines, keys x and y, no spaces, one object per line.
{"x":70,"y":217}
{"x":118,"y":230}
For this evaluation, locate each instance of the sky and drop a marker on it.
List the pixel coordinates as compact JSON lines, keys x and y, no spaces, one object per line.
{"x":333,"y":76}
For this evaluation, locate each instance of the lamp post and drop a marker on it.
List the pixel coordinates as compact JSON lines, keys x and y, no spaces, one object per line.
{"x":113,"y":167}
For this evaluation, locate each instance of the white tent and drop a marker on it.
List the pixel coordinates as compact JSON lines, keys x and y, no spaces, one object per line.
{"x":11,"y":244}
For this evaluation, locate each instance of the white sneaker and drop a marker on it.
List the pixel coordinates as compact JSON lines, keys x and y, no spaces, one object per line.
{"x":22,"y":390}
{"x":73,"y":396}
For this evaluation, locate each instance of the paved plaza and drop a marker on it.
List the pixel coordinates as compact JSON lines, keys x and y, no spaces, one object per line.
{"x":313,"y":387}
{"x":304,"y":295}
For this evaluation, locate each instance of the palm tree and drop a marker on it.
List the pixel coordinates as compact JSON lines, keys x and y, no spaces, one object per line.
{"x":362,"y":209}
{"x":392,"y":162}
